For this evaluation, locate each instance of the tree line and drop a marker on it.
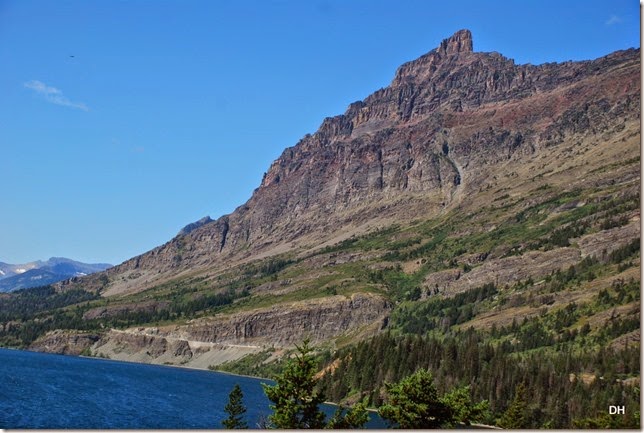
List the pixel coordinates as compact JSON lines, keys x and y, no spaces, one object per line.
{"x":493,"y":372}
{"x":426,"y":396}
{"x":414,"y":402}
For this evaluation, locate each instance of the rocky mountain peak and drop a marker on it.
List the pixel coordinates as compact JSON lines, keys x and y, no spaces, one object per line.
{"x":195,"y":225}
{"x":459,"y":42}
{"x":438,"y":133}
{"x":452,"y":53}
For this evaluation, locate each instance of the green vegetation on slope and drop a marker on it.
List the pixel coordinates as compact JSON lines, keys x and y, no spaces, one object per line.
{"x":570,"y":335}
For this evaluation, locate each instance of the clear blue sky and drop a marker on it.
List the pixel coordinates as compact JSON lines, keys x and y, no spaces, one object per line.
{"x":123,"y":121}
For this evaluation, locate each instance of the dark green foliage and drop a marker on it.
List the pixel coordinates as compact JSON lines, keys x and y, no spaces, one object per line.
{"x":295,"y":398}
{"x":516,"y":417}
{"x":629,"y":420}
{"x":545,"y":350}
{"x":561,"y":237}
{"x":30,"y":313}
{"x":614,"y":327}
{"x":419,"y":251}
{"x":354,"y":418}
{"x":400,"y":285}
{"x":610,"y":223}
{"x":619,"y":205}
{"x":438,"y":313}
{"x":492,"y":371}
{"x":533,"y":334}
{"x":621,"y":292}
{"x":25,"y":314}
{"x":464,"y":411}
{"x":621,"y":254}
{"x":414,"y":403}
{"x":267,"y":268}
{"x":584,"y":271}
{"x":550,"y":203}
{"x":235,"y":410}
{"x":202,"y":302}
{"x":23,"y":304}
{"x":187,"y":306}
{"x":573,"y":223}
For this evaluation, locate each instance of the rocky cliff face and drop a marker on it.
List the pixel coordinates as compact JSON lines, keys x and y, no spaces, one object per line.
{"x":446,"y":123}
{"x":317,"y":320}
{"x":210,"y":341}
{"x":65,"y":342}
{"x":462,"y":145}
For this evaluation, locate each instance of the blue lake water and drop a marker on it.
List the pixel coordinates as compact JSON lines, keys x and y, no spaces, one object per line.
{"x":46,"y":391}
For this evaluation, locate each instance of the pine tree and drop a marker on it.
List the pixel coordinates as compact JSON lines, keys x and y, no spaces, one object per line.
{"x":296,"y":402}
{"x":516,"y":416}
{"x":235,"y":410}
{"x":414,"y":403}
{"x":463,"y":409}
{"x":355,"y":417}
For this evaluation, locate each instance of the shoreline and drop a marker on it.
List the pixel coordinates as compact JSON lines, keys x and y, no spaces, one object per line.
{"x":165,"y":365}
{"x":330,"y":403}
{"x":138,"y":363}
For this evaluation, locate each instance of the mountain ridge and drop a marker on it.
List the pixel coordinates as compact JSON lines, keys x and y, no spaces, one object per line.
{"x":419,"y":138}
{"x":476,"y":217}
{"x":38,"y":273}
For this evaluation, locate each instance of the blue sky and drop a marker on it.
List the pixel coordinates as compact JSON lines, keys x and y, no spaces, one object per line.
{"x":123,"y":121}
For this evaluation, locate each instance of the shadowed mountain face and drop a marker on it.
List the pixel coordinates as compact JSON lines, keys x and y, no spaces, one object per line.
{"x":449,"y":124}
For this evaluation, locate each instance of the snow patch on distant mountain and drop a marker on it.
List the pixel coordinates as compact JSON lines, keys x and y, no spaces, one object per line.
{"x":39,"y":273}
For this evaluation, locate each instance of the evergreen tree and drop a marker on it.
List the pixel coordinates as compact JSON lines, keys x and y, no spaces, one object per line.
{"x":516,"y":416}
{"x":296,"y":402}
{"x":356,"y":417}
{"x":463,"y":409}
{"x":414,"y":403}
{"x":235,"y":410}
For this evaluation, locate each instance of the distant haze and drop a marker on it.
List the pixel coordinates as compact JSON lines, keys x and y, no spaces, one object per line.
{"x":39,"y":273}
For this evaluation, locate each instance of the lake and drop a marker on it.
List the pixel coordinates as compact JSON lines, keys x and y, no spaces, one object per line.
{"x":45,"y":391}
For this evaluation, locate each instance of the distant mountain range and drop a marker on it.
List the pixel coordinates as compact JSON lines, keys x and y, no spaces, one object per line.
{"x":40,"y":273}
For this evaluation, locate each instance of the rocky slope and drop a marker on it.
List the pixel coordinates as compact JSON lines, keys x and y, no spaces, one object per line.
{"x":466,"y":170}
{"x":485,"y":215}
{"x":205,"y":342}
{"x":448,"y":121}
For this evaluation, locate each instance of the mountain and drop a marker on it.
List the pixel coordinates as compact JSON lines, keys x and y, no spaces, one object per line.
{"x":449,"y":121}
{"x":8,"y":270}
{"x":39,"y":273}
{"x":476,"y":216}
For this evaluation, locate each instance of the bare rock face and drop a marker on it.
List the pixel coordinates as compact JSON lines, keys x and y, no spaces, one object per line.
{"x":195,"y":225}
{"x":64,"y":342}
{"x":153,"y":346}
{"x":210,"y":341}
{"x":317,"y":320}
{"x":460,"y":42}
{"x":444,"y":125}
{"x":605,"y":242}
